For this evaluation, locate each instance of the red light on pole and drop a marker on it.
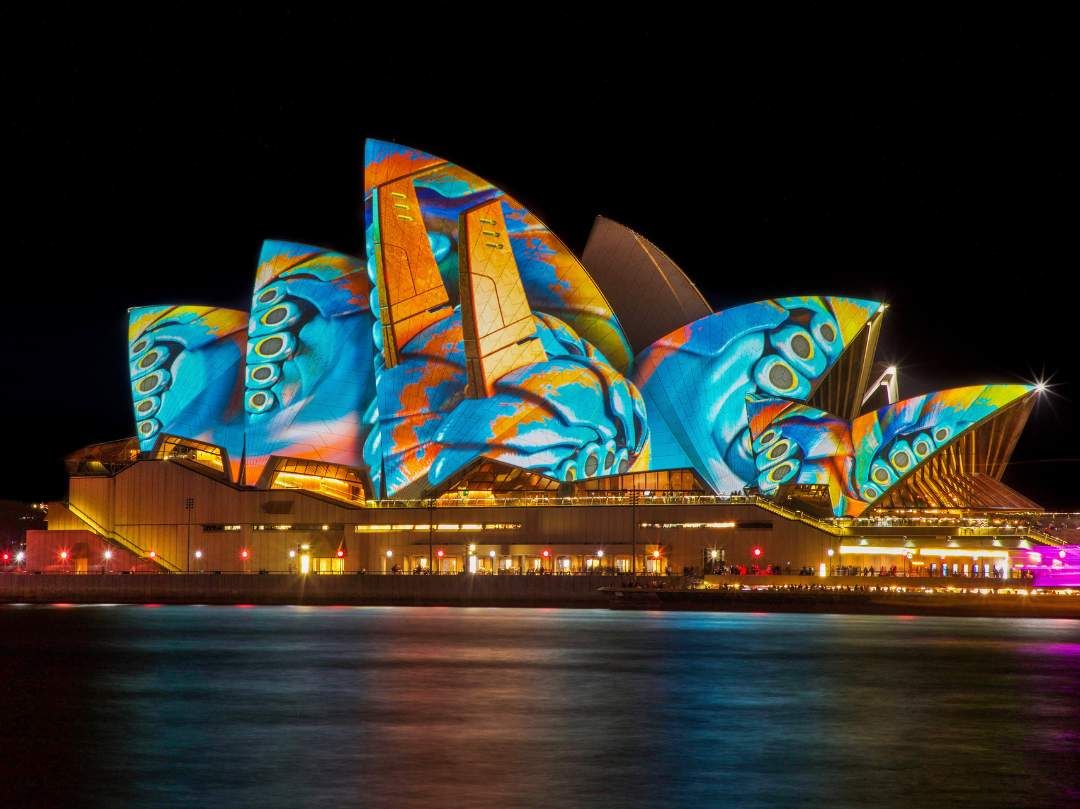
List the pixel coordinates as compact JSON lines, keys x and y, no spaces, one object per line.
{"x":7,"y":557}
{"x":244,"y":553}
{"x":440,"y":553}
{"x":63,"y":554}
{"x":153,"y":554}
{"x":546,"y":553}
{"x":756,"y":551}
{"x":340,"y":553}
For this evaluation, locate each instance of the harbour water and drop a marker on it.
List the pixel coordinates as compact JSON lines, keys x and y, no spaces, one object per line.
{"x":418,"y":707}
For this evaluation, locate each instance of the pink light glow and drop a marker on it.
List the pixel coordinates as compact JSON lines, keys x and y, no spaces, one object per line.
{"x":1064,"y":571}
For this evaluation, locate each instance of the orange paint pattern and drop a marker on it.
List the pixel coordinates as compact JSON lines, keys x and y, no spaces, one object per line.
{"x":499,"y":332}
{"x":411,"y":291}
{"x":395,"y":166}
{"x":218,"y":322}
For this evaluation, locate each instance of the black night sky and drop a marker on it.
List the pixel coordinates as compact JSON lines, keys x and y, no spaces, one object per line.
{"x":926,"y":162}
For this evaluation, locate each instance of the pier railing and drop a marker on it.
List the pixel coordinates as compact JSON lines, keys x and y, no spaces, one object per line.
{"x":614,"y":499}
{"x":958,"y":526}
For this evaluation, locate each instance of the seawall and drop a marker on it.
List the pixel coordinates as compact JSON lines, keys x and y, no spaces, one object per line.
{"x":785,"y":594}
{"x":282,"y":588}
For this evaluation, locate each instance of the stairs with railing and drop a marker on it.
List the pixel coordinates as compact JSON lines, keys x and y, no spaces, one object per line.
{"x":787,"y":513}
{"x":119,"y":539}
{"x":1044,"y":538}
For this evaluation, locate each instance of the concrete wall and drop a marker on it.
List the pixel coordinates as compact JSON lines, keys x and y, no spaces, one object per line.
{"x":145,"y":503}
{"x":284,"y":589}
{"x":527,"y":591}
{"x":78,"y":551}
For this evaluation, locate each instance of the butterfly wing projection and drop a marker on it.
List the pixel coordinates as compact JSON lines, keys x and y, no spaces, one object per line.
{"x":555,"y":282}
{"x":488,"y":377}
{"x":696,"y":379}
{"x":863,"y":460}
{"x":187,"y":371}
{"x":309,"y":379}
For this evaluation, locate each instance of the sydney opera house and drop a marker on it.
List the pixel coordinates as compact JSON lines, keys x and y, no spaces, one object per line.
{"x":473,"y":397}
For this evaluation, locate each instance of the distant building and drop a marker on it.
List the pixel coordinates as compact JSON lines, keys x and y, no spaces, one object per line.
{"x":15,"y":520}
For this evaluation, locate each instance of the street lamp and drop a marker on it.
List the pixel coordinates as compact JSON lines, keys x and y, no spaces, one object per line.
{"x":189,"y":506}
{"x":431,"y":534}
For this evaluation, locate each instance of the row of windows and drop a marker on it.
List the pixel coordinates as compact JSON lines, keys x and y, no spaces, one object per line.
{"x":215,"y":528}
{"x":453,"y":526}
{"x":396,"y":527}
{"x":742,"y":526}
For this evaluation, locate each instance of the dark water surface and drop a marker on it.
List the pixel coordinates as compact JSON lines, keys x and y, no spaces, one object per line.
{"x":365,"y":706}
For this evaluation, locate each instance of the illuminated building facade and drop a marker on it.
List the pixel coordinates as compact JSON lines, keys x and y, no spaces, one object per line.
{"x":472,"y":365}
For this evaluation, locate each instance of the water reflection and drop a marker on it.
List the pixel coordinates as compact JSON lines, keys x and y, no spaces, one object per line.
{"x":311,"y":706}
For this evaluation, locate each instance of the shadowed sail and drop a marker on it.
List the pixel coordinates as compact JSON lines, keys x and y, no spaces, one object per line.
{"x":650,"y":294}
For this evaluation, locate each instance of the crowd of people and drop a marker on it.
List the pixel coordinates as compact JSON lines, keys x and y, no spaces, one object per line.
{"x":850,"y":570}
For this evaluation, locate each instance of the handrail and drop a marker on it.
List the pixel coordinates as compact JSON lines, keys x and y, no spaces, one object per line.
{"x":620,"y":499}
{"x":955,"y":528}
{"x":787,"y":513}
{"x":119,"y":539}
{"x":1043,"y":537}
